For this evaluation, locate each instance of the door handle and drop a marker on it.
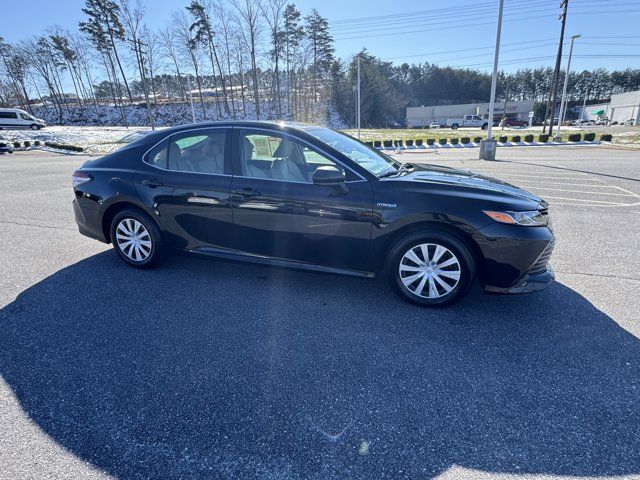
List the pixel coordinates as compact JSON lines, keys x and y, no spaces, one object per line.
{"x":246,"y":193}
{"x":153,"y":183}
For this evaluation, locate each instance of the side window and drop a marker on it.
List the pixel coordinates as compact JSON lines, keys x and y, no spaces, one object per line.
{"x":8,"y":115}
{"x":24,"y":117}
{"x":158,"y":155}
{"x":279,"y":157}
{"x":198,"y":152}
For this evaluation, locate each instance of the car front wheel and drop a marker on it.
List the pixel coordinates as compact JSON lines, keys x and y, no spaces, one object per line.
{"x":35,"y":127}
{"x":136,"y":238}
{"x":433,"y":269}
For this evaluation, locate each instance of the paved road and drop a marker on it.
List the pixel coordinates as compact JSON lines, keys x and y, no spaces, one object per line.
{"x":206,"y":369}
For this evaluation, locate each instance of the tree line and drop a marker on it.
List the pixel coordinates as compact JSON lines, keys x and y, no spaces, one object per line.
{"x":248,"y":59}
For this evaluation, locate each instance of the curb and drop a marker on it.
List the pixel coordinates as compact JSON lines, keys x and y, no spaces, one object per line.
{"x":499,"y":144}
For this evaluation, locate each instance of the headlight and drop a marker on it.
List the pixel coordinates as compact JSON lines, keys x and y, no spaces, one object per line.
{"x":532,"y":218}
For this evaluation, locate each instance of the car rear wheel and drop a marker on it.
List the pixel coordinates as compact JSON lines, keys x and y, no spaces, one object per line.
{"x":433,"y":269}
{"x":454,"y":126}
{"x":136,"y":239}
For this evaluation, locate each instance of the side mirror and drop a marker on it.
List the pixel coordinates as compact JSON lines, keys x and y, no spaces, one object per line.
{"x":328,"y":175}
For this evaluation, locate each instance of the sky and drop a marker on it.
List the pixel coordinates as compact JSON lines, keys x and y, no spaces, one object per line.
{"x":455,"y":32}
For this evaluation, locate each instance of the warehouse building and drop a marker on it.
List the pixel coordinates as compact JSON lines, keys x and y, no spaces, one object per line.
{"x":418,"y":117}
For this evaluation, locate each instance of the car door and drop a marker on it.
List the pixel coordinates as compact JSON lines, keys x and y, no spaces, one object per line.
{"x":186,"y":180}
{"x":280,"y":213}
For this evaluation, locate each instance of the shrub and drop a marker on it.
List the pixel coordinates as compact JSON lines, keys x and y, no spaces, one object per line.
{"x":16,"y":145}
{"x":589,"y":137}
{"x":377,"y":143}
{"x":528,"y":138}
{"x":544,"y":138}
{"x":453,"y":141}
{"x":465,"y":140}
{"x":502,"y":139}
{"x":442,"y":141}
{"x":369,"y":143}
{"x":27,"y":144}
{"x":431,"y":141}
{"x":409,"y":143}
{"x":575,"y":137}
{"x":516,"y":138}
{"x":606,"y":137}
{"x":397,"y":143}
{"x":37,"y":143}
{"x":477,"y":139}
{"x":387,"y":143}
{"x":60,"y":146}
{"x":418,"y":142}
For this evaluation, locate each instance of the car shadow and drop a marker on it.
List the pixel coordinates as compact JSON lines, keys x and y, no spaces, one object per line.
{"x":207,"y":369}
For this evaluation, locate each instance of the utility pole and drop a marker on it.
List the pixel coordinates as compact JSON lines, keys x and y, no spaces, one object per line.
{"x":564,"y":88}
{"x":553,"y":95}
{"x":504,"y":110}
{"x":358,"y":101}
{"x":488,"y":145}
{"x":584,"y":105}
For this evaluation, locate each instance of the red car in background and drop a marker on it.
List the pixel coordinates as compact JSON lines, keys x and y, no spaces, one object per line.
{"x":514,"y":122}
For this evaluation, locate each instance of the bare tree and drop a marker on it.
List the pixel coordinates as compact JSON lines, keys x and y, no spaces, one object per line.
{"x":189,"y":46}
{"x":224,"y":24}
{"x":168,"y":45}
{"x":273,"y":12}
{"x":248,"y":11}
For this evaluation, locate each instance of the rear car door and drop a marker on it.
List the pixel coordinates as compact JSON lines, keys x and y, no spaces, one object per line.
{"x":281,"y":214}
{"x":186,"y":180}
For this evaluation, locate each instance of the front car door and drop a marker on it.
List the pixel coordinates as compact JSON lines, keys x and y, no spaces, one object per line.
{"x":279,"y":213}
{"x":186,"y":180}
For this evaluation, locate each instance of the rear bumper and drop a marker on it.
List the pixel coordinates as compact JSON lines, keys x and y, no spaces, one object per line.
{"x":528,"y":283}
{"x":85,"y":226}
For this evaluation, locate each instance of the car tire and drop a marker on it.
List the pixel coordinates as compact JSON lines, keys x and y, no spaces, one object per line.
{"x":484,"y":126}
{"x":35,"y":127}
{"x":422,"y":283}
{"x":454,"y":126}
{"x":136,"y":238}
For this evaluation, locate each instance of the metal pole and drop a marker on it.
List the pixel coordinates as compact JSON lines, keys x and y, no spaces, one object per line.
{"x":565,"y":6}
{"x":564,"y":88}
{"x":358,"y":102}
{"x":584,"y":105}
{"x":488,"y":146}
{"x":494,"y":76}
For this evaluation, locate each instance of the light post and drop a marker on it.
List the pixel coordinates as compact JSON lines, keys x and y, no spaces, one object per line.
{"x":488,"y":146}
{"x":358,"y":104}
{"x":563,"y":106}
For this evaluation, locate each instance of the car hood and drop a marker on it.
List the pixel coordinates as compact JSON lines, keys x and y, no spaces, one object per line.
{"x":464,"y":178}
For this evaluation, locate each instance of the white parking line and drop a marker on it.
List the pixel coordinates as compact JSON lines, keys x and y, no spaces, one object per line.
{"x":583,"y":191}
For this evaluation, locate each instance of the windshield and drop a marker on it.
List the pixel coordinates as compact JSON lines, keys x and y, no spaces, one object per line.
{"x":368,"y":158}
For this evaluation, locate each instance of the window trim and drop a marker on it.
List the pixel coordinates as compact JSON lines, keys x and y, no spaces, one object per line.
{"x":228,"y":134}
{"x":237,"y":162}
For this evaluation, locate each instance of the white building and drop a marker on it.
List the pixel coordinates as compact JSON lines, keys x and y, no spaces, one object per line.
{"x":621,"y":108}
{"x":418,"y":117}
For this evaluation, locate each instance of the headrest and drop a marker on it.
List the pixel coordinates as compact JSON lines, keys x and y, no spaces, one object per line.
{"x":284,"y":149}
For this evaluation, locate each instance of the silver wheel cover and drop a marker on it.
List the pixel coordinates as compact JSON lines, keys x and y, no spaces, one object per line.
{"x":429,"y":270}
{"x":133,"y":239}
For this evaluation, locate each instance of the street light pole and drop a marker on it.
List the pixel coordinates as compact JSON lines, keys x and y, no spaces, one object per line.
{"x":358,"y":104}
{"x":488,"y":146}
{"x":564,"y":90}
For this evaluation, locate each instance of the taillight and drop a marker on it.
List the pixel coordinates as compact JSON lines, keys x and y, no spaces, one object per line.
{"x":78,"y":178}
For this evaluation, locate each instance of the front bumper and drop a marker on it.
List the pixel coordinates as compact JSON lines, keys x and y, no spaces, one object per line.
{"x":528,"y":283}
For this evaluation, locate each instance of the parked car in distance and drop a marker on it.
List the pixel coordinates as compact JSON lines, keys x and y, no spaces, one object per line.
{"x":5,"y":145}
{"x":631,"y":122}
{"x":434,"y":125}
{"x":467,"y":121}
{"x":14,"y":118}
{"x":514,"y":122}
{"x":311,"y":198}
{"x":584,"y":123}
{"x":602,"y":121}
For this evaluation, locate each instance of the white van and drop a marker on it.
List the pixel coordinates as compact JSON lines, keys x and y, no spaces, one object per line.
{"x":15,"y":118}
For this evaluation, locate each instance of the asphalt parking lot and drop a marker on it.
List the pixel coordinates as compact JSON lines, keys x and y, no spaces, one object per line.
{"x":208,"y":369}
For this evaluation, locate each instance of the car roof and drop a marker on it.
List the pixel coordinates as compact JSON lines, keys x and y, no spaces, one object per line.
{"x":246,"y":123}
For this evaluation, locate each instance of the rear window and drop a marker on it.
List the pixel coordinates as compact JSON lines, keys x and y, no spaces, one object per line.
{"x":157,"y":157}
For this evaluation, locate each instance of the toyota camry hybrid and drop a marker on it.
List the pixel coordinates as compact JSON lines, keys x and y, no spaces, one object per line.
{"x":309,"y":197}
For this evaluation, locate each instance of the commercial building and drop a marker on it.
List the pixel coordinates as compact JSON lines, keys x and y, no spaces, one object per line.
{"x":621,"y":108}
{"x":418,"y":117}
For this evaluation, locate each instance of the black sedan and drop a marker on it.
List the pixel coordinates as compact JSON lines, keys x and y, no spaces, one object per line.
{"x":309,"y":197}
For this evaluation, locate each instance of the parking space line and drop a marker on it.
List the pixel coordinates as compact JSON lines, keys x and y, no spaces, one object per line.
{"x":582,"y":191}
{"x":595,"y":201}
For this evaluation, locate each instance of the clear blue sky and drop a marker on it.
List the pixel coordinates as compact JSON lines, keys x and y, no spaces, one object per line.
{"x":456,"y":32}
